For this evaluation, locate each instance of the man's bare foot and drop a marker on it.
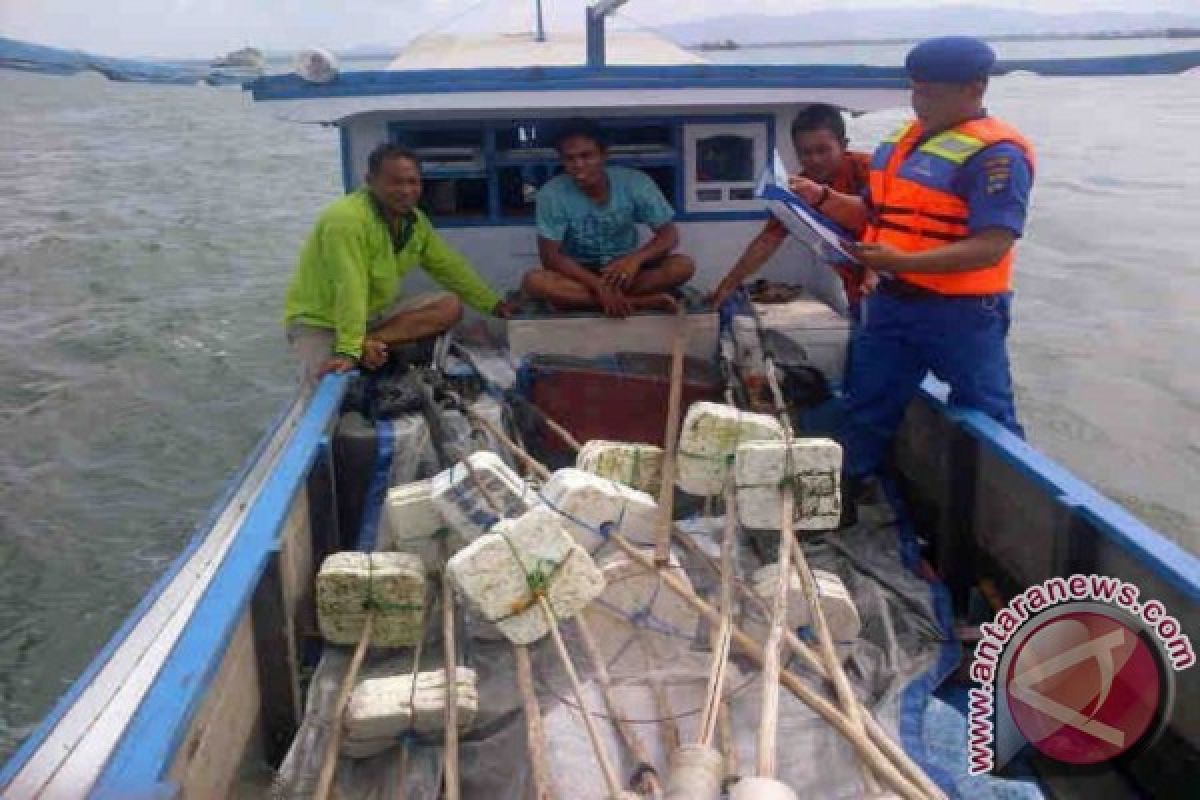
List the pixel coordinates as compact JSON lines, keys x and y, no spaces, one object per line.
{"x":654,"y":302}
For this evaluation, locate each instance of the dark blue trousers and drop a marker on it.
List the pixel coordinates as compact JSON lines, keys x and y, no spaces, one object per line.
{"x":961,"y":340}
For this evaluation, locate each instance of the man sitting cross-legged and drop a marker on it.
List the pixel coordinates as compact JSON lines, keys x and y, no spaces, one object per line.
{"x":588,"y":239}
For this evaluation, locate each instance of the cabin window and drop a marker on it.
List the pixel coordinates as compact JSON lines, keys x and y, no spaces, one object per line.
{"x":488,"y":172}
{"x":724,"y":162}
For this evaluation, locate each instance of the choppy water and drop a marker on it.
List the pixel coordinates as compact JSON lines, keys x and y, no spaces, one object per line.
{"x":146,"y":234}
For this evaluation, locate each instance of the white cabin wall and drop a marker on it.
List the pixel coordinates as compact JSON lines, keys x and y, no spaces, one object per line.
{"x":366,"y":132}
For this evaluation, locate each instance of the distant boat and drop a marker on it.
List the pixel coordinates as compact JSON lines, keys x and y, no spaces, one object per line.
{"x":250,"y":57}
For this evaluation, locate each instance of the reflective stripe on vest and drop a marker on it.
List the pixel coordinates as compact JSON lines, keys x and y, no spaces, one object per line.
{"x":916,"y":209}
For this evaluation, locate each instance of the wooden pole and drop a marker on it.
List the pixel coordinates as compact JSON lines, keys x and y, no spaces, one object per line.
{"x":864,"y":746}
{"x":833,"y":664}
{"x":450,"y":659}
{"x":889,"y":761}
{"x":334,"y":744}
{"x":666,"y":494}
{"x":768,"y":724}
{"x":874,"y":730}
{"x":633,"y":742}
{"x":589,"y":724}
{"x":715,"y":696}
{"x":535,"y":734}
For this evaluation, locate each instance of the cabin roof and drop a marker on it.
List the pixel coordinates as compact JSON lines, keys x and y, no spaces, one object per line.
{"x":455,"y":51}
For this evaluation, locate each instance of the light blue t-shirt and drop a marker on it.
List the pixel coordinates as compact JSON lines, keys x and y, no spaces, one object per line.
{"x":594,"y":235}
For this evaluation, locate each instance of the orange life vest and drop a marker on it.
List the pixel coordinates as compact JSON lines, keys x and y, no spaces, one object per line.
{"x":915,"y":207}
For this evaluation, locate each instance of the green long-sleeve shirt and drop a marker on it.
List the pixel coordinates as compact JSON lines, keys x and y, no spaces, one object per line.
{"x":349,"y":270}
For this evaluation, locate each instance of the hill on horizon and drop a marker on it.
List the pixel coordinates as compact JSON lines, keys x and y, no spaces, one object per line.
{"x":915,"y":23}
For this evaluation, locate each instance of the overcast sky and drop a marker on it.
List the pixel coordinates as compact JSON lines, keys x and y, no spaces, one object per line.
{"x":202,"y":28}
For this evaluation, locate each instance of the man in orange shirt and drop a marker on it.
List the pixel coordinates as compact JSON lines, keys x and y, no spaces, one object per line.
{"x":819,"y":134}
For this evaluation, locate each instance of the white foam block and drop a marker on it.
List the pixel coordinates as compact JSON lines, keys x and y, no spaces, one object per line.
{"x":380,"y":709}
{"x":493,"y":574}
{"x":840,"y":612}
{"x":815,"y":467}
{"x":348,"y":584}
{"x":754,"y":788}
{"x":465,"y":508}
{"x":588,"y":502}
{"x":631,"y":463}
{"x":412,"y":524}
{"x":635,"y":595}
{"x":710,"y":435}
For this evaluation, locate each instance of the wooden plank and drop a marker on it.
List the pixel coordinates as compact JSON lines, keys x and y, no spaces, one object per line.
{"x":282,"y":609}
{"x":210,"y":757}
{"x":322,"y":506}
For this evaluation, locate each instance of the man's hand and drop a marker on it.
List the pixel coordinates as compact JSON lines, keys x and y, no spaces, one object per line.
{"x":375,"y":353}
{"x":869,"y":281}
{"x":806,"y":189}
{"x":879,"y":257}
{"x":620,"y":272}
{"x":613,"y":302}
{"x":337,"y":364}
{"x":504,"y":309}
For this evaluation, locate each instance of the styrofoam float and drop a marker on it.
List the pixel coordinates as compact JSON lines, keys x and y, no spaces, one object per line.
{"x":631,"y":463}
{"x":709,"y":438}
{"x":812,"y":468}
{"x":587,"y":503}
{"x":392,"y":584}
{"x":494,"y":573}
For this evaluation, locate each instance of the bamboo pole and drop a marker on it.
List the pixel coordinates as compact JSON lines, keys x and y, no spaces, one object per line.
{"x":334,"y":743}
{"x":535,"y":734}
{"x":768,"y":725}
{"x":874,"y":730}
{"x":589,"y":724}
{"x":650,"y":783}
{"x":725,"y":730}
{"x":450,"y":659}
{"x":863,"y":745}
{"x":666,"y":494}
{"x":833,"y":664}
{"x":889,"y":762}
{"x":715,"y":696}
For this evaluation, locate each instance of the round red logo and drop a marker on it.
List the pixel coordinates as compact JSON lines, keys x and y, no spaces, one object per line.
{"x":1084,"y":687}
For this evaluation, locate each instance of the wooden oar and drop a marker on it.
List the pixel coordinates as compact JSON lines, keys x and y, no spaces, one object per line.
{"x":666,"y":494}
{"x":334,"y":743}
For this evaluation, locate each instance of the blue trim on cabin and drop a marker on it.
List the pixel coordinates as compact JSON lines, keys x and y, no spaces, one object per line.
{"x":523,"y":79}
{"x":682,"y":76}
{"x":199,"y":535}
{"x":1167,"y":560}
{"x":148,"y":745}
{"x":347,"y":167}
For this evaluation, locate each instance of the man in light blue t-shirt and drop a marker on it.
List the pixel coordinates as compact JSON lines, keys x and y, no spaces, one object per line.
{"x":587,"y":222}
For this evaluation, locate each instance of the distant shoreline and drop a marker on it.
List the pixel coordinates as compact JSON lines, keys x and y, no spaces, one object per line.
{"x":1166,"y":33}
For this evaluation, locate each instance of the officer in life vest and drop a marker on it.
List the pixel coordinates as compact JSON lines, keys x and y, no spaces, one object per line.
{"x":946,"y":202}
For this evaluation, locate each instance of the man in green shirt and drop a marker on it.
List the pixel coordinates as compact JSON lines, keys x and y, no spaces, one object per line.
{"x":341,"y":308}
